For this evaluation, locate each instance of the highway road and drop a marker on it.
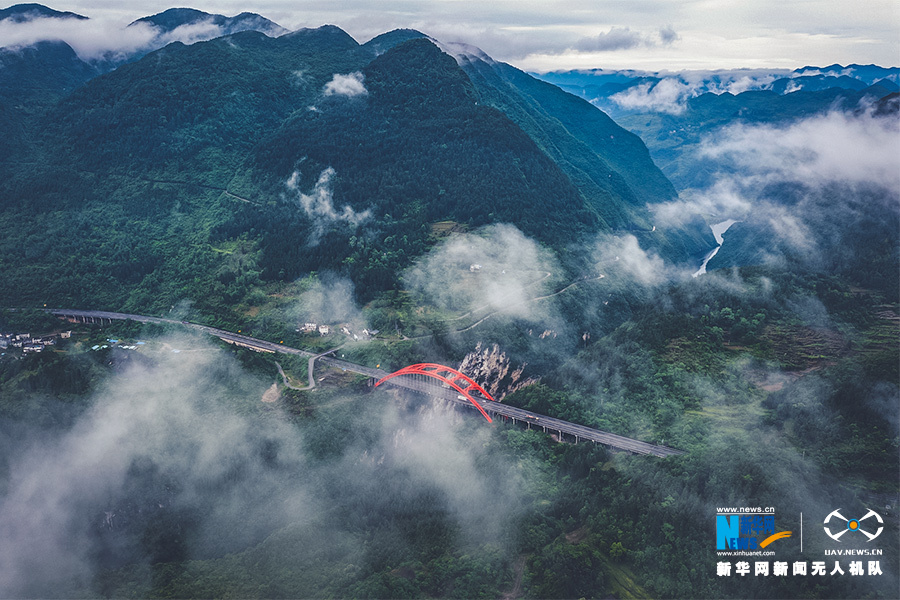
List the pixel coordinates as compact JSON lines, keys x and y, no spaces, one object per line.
{"x":419,"y":384}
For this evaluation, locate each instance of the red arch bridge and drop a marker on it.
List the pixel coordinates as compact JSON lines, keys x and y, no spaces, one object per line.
{"x":448,"y":376}
{"x":470,"y":393}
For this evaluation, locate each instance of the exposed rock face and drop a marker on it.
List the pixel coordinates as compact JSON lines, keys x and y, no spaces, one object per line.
{"x":491,"y":369}
{"x":272,"y":394}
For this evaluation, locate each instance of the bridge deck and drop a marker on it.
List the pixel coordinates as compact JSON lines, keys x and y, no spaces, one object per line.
{"x":578,"y":432}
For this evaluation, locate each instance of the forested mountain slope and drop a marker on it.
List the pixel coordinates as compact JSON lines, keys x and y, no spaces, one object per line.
{"x":610,"y":166}
{"x":310,"y":152}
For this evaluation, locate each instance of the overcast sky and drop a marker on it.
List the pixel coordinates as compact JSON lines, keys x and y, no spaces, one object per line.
{"x":542,"y":35}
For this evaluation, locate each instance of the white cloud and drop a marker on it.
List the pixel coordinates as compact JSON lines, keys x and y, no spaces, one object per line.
{"x":723,"y":198}
{"x":668,"y":96}
{"x":671,"y":93}
{"x":512,"y":271}
{"x":617,"y":38}
{"x":328,"y":299}
{"x":623,"y":255}
{"x":623,"y":38}
{"x":319,"y":204}
{"x":91,"y":39}
{"x":190,"y":33}
{"x":168,"y":421}
{"x":176,"y":440}
{"x":435,"y":454}
{"x":94,"y":39}
{"x":349,"y":85}
{"x":837,"y":147}
{"x":463,"y":52}
{"x":804,"y":182}
{"x":668,"y":35}
{"x":746,"y":83}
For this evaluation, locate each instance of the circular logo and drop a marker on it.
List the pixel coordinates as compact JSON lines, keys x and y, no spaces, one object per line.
{"x":853,"y":525}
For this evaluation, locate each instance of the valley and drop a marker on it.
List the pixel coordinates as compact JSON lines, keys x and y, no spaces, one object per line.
{"x":665,"y":292}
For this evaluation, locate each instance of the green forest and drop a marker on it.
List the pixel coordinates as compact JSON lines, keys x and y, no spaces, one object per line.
{"x":432,"y":207}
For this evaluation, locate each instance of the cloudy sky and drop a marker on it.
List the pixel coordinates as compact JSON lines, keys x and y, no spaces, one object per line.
{"x":548,"y":34}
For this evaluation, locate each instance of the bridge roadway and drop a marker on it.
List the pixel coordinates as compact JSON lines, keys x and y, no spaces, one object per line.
{"x":422,"y":384}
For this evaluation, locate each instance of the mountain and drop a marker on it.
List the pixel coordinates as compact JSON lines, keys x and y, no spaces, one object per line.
{"x":673,"y":113}
{"x":611,"y":167}
{"x":889,"y":104}
{"x":868,"y":74}
{"x":36,"y":76}
{"x":418,"y":149}
{"x":629,"y":91}
{"x":119,"y":205}
{"x":301,"y":153}
{"x":674,"y":139}
{"x":43,"y":71}
{"x":170,"y":20}
{"x":681,"y":115}
{"x":860,"y":244}
{"x":228,"y":181}
{"x":604,"y":160}
{"x":47,"y":69}
{"x":20,"y":13}
{"x":585,"y":142}
{"x":12,"y":142}
{"x":816,"y":83}
{"x":385,"y":41}
{"x":890,"y":86}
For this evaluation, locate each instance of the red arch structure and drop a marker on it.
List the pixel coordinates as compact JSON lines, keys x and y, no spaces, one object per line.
{"x":446,"y":375}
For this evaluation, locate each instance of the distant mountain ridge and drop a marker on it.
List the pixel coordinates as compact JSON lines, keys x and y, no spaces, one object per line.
{"x":601,"y":87}
{"x":20,"y":13}
{"x":672,"y":112}
{"x":173,"y":18}
{"x":43,"y":70}
{"x":49,"y":68}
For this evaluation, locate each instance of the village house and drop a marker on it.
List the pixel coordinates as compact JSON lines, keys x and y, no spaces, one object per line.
{"x":27,"y":343}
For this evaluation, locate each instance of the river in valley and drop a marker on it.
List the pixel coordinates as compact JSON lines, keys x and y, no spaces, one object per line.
{"x":718,"y":230}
